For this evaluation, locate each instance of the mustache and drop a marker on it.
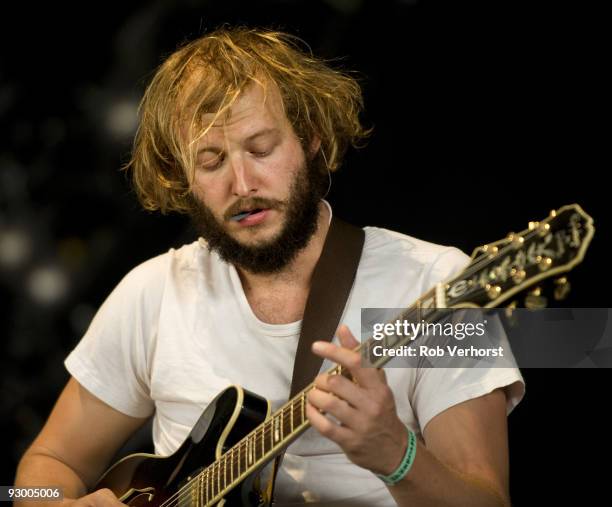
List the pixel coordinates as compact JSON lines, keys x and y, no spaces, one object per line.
{"x":251,"y":203}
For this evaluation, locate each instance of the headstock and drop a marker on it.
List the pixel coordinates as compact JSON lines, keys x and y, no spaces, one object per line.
{"x":506,"y":267}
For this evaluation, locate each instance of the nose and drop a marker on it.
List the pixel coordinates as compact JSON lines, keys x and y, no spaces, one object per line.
{"x":244,"y":178}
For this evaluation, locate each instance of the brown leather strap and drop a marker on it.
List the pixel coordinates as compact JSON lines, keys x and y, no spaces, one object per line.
{"x":331,"y":284}
{"x":332,"y":281}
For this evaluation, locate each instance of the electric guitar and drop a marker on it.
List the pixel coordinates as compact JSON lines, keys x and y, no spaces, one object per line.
{"x":221,"y":460}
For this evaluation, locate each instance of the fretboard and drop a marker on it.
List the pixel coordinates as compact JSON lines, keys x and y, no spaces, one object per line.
{"x":289,"y":422}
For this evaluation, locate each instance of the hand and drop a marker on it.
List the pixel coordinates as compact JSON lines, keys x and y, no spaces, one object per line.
{"x":369,"y":430}
{"x":99,"y":498}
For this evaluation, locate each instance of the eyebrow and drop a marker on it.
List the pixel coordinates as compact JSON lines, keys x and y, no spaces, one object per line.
{"x":260,"y":133}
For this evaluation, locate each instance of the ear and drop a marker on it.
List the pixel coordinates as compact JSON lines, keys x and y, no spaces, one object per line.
{"x":315,"y":144}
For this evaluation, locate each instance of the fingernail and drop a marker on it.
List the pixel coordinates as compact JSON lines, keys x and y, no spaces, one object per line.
{"x":318,"y":346}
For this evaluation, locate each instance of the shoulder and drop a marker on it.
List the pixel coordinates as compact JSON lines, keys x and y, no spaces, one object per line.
{"x":433,"y":261}
{"x":149,"y":278}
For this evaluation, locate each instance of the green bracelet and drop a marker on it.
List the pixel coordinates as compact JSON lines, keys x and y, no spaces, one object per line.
{"x":405,"y":465}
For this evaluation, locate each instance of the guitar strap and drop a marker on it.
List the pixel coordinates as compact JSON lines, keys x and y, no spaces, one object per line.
{"x":331,"y":284}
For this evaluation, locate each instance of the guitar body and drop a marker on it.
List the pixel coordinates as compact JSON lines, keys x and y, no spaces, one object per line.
{"x":146,"y":480}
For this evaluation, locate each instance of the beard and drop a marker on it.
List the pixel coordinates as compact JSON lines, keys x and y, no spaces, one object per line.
{"x":301,"y":211}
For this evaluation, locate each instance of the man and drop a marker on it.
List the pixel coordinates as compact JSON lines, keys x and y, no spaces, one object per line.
{"x":241,"y":129}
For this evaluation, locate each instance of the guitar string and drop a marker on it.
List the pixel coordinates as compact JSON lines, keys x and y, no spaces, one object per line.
{"x":244,"y":443}
{"x":270,"y":426}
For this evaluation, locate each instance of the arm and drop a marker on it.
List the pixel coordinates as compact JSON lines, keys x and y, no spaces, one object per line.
{"x":75,"y":446}
{"x":463,"y":461}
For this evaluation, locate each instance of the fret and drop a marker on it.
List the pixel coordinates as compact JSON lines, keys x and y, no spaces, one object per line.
{"x":242,"y":459}
{"x":264,"y":445}
{"x":282,"y":422}
{"x":294,"y":415}
{"x":209,"y":485}
{"x":249,"y":451}
{"x":276,"y":433}
{"x":218,"y":472}
{"x":291,"y":415}
{"x":235,"y":462}
{"x":256,"y":445}
{"x":245,"y":454}
{"x":268,"y":435}
{"x":287,"y":429}
{"x":204,"y":486}
{"x":211,"y":481}
{"x":264,"y":436}
{"x":224,"y":472}
{"x":302,"y":408}
{"x":263,"y":440}
{"x":417,"y":307}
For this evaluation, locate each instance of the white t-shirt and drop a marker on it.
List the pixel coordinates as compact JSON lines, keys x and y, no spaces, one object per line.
{"x":178,"y":329}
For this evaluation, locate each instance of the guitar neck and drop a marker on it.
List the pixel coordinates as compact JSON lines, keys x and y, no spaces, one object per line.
{"x":497,"y":272}
{"x":290,"y":421}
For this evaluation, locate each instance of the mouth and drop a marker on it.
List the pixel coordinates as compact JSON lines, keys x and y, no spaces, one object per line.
{"x":250,"y":216}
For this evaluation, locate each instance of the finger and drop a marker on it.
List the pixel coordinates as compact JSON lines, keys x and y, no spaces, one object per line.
{"x":366,"y":377}
{"x":104,"y":496}
{"x":346,"y":338}
{"x":342,"y":387}
{"x":337,"y":407}
{"x":326,"y":427}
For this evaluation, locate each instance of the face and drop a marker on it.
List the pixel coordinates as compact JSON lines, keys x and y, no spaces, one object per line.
{"x":255,"y":195}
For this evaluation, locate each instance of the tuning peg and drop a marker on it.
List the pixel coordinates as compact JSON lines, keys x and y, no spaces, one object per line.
{"x":510,"y":309}
{"x":491,"y":250}
{"x":516,"y":240}
{"x":509,"y":313}
{"x":535,"y":300}
{"x":543,"y":229}
{"x":493,"y":291}
{"x":562,"y":288}
{"x":517,"y":275}
{"x":544,"y":263}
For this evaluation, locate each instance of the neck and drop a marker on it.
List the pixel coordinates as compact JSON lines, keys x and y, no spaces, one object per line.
{"x":299,"y":270}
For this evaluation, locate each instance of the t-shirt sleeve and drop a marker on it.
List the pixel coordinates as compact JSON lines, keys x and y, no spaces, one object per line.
{"x":110,"y":361}
{"x":438,"y":389}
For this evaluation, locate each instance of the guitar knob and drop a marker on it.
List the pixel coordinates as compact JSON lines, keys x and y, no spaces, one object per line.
{"x":562,"y":288}
{"x":535,"y":300}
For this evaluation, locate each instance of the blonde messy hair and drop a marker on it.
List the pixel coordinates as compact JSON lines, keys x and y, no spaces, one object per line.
{"x":207,"y":75}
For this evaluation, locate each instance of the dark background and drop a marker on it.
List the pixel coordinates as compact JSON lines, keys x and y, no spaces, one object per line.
{"x":486,"y":115}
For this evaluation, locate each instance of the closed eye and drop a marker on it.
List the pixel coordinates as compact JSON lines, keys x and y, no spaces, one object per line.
{"x":212,"y":164}
{"x":261,"y":150}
